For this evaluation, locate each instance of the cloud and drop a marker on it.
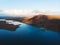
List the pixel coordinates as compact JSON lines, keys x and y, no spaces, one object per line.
{"x":17,"y":12}
{"x":27,"y":12}
{"x":20,"y":12}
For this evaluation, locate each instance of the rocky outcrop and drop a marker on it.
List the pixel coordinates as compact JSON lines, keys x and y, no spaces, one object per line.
{"x":45,"y":21}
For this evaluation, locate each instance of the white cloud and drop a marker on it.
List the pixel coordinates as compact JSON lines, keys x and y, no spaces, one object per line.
{"x":27,"y":12}
{"x":17,"y":12}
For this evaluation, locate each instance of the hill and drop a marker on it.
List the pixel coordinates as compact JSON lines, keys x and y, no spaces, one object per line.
{"x":45,"y":21}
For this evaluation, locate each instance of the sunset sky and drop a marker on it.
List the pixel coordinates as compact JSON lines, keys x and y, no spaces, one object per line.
{"x":18,"y":6}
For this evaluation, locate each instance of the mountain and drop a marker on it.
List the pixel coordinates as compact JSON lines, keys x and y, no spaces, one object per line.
{"x":47,"y":22}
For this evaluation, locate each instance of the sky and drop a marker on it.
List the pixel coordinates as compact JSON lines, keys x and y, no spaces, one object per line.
{"x":13,"y":6}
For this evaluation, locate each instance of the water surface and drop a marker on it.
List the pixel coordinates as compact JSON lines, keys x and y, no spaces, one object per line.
{"x":29,"y":35}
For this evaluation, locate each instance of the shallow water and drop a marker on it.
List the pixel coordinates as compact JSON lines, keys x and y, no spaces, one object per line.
{"x":29,"y":35}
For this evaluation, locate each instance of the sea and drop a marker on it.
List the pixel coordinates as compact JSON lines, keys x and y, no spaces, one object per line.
{"x":29,"y":35}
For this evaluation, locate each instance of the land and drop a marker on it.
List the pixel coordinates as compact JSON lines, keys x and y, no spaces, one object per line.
{"x":47,"y":22}
{"x":7,"y":26}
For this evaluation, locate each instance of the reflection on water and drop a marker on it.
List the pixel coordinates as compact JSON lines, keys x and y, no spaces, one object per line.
{"x":29,"y":35}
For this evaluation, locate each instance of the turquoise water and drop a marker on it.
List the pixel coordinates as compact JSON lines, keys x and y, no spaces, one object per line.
{"x":29,"y":35}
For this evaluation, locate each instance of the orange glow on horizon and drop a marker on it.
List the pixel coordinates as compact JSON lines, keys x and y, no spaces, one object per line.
{"x":53,"y":17}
